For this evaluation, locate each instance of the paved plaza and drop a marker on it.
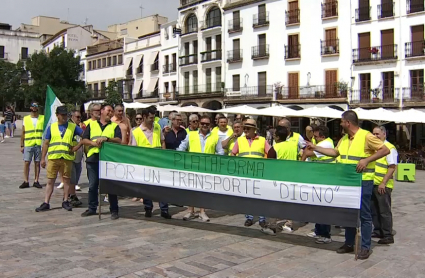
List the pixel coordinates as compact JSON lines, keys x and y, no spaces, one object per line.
{"x":58,"y":243}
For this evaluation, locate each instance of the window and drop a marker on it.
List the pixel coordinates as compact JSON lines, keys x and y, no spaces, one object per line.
{"x":24,"y":53}
{"x":99,"y":63}
{"x":102,"y":88}
{"x":186,"y":83}
{"x":140,"y":66}
{"x":103,"y":62}
{"x":195,"y":81}
{"x":174,"y":84}
{"x":109,"y":61}
{"x":119,"y":59}
{"x":214,"y":17}
{"x":2,"y":54}
{"x":95,"y":89}
{"x":94,"y":64}
{"x":236,"y":83}
{"x":166,"y":84}
{"x":191,"y":24}
{"x":218,"y":78}
{"x":114,"y":60}
{"x":208,"y":79}
{"x":124,"y":32}
{"x":89,"y":65}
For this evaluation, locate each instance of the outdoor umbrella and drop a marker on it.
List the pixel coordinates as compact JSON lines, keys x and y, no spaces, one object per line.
{"x":278,"y":111}
{"x":378,"y":116}
{"x":194,"y":109}
{"x":321,"y":113}
{"x":243,"y":109}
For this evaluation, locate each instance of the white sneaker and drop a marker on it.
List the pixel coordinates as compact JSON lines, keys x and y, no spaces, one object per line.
{"x":7,"y":136}
{"x":77,"y":188}
{"x":189,"y":216}
{"x":204,"y":217}
{"x":313,"y":235}
{"x":323,"y":240}
{"x":286,"y":229}
{"x":268,"y":231}
{"x":60,"y":186}
{"x":106,"y":199}
{"x":2,"y":141}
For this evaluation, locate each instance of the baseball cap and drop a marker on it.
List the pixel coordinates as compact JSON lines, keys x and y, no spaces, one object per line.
{"x":62,"y":110}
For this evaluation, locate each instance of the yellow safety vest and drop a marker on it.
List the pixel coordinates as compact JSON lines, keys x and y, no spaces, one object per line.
{"x":195,"y":143}
{"x":188,"y":130}
{"x":96,"y":132}
{"x":256,"y":150}
{"x":33,"y":136}
{"x":229,"y":130}
{"x":352,"y":154}
{"x":286,"y":150}
{"x":142,"y":141}
{"x":313,"y":141}
{"x":60,"y":147}
{"x":381,"y":169}
{"x":294,"y":140}
{"x":326,"y":159}
{"x":88,"y":121}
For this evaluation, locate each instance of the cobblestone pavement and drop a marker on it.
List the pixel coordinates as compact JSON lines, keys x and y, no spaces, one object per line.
{"x":63,"y":244}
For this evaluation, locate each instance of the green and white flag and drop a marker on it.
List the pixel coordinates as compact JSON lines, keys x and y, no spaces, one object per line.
{"x":326,"y":193}
{"x":52,"y":102}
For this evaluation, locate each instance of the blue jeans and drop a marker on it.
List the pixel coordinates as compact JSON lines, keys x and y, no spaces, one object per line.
{"x":93,"y":176}
{"x":149,"y":205}
{"x":365,"y":218}
{"x":250,"y":217}
{"x":323,"y":230}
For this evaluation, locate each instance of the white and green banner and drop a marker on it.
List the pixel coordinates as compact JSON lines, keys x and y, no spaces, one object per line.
{"x":304,"y":191}
{"x":52,"y":102}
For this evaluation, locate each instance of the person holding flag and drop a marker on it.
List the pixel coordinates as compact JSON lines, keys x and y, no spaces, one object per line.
{"x":58,"y":143}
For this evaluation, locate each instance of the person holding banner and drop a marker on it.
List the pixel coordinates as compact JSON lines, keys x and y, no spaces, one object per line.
{"x":202,"y":141}
{"x":149,"y":135}
{"x":384,"y":183}
{"x":97,"y":132}
{"x":31,"y":140}
{"x":59,"y":142}
{"x":94,"y":109}
{"x":254,"y":146}
{"x":295,"y":138}
{"x":322,"y":232}
{"x":229,"y":143}
{"x":359,"y":147}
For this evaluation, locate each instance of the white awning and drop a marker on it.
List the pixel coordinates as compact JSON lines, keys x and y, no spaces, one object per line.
{"x":152,"y":84}
{"x":127,"y":62}
{"x":153,"y":57}
{"x":136,"y":88}
{"x":137,"y":60}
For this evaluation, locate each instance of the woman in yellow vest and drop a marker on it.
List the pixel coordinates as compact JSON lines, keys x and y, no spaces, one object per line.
{"x":383,"y":185}
{"x":358,"y":147}
{"x":59,"y":144}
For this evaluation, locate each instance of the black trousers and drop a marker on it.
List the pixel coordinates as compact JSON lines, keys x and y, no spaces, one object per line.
{"x":382,"y":216}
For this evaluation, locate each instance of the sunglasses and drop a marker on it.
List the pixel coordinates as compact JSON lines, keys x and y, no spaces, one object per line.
{"x":194,"y":121}
{"x":78,"y":117}
{"x":97,"y":110}
{"x":205,"y":123}
{"x":139,"y":119}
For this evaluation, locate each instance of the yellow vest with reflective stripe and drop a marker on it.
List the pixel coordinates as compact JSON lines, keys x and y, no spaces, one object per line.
{"x":313,"y":141}
{"x":142,"y":141}
{"x":195,"y":143}
{"x":33,"y":136}
{"x":88,"y":121}
{"x":381,"y":169}
{"x":256,"y":150}
{"x":96,"y":132}
{"x":60,"y":147}
{"x":286,"y":151}
{"x":188,"y":130}
{"x":326,"y":159}
{"x":294,"y":140}
{"x":354,"y":153}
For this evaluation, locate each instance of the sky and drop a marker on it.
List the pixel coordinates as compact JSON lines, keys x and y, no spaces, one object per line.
{"x":100,"y":13}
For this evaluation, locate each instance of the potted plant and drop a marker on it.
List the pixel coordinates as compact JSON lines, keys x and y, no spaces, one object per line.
{"x":342,"y":88}
{"x":374,"y":51}
{"x":376,"y":92}
{"x":278,"y":90}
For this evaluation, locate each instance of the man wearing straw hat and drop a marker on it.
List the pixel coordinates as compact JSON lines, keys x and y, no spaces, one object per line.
{"x":253,"y":146}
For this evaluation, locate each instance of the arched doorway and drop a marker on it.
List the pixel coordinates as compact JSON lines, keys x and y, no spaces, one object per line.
{"x":212,"y":105}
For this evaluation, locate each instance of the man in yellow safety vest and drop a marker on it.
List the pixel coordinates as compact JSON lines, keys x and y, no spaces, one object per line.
{"x":149,"y":135}
{"x":229,"y":143}
{"x":359,"y":147}
{"x":31,"y":139}
{"x":224,"y":131}
{"x":97,"y":132}
{"x":202,"y":141}
{"x":383,"y":186}
{"x":294,"y":137}
{"x":59,"y":143}
{"x":94,"y":109}
{"x":193,"y":123}
{"x":254,"y":146}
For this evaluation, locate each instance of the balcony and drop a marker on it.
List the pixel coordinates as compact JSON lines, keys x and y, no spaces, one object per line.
{"x":293,"y":51}
{"x":330,"y":9}
{"x":188,"y":60}
{"x":155,"y":66}
{"x":260,"y":52}
{"x":129,"y":72}
{"x":168,"y":68}
{"x":375,"y":54}
{"x":145,"y":94}
{"x":235,"y":26}
{"x":414,"y":94}
{"x":211,"y":23}
{"x":314,"y":92}
{"x":98,"y":94}
{"x":234,"y":56}
{"x":200,"y":91}
{"x":184,"y":3}
{"x":167,"y":96}
{"x":293,"y":17}
{"x":211,"y":55}
{"x":387,"y":95}
{"x":363,"y":14}
{"x":415,"y":6}
{"x":4,"y":56}
{"x":415,"y":49}
{"x":186,"y":30}
{"x":329,"y":47}
{"x":254,"y":93}
{"x":139,"y":69}
{"x":260,"y":20}
{"x":386,"y":10}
